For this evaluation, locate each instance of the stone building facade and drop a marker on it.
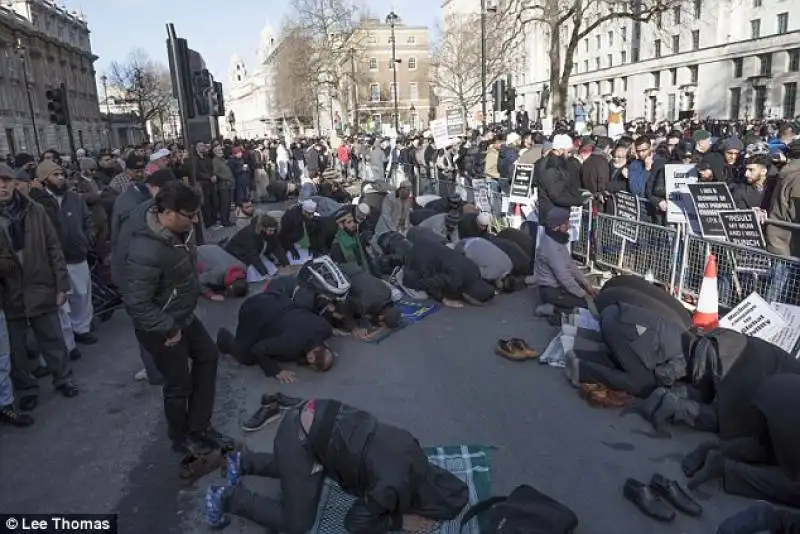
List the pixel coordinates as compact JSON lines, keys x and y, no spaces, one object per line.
{"x":51,"y":45}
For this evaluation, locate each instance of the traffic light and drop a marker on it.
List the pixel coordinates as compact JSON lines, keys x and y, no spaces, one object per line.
{"x":509,"y":99}
{"x":498,"y":91}
{"x":57,"y":106}
{"x":217,"y":100}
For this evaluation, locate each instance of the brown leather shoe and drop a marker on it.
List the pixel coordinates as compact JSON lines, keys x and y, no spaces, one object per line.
{"x":524,"y":348}
{"x":585,"y":390}
{"x":509,"y":350}
{"x":194,"y":467}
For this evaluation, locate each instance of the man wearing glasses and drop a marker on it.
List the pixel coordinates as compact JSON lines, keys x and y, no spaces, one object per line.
{"x":160,"y":294}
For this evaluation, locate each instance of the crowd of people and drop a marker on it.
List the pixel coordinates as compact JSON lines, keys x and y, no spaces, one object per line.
{"x":133,"y":224}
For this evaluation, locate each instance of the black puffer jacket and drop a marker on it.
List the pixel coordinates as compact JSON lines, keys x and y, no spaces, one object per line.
{"x":320,"y":231}
{"x":557,"y":186}
{"x":250,"y":243}
{"x":161,"y":281}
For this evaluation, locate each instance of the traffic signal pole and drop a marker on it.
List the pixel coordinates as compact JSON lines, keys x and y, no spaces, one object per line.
{"x":70,"y":133}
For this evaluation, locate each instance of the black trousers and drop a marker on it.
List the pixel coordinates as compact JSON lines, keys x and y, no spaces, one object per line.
{"x":440,"y":495}
{"x":224,"y":204}
{"x":268,"y":351}
{"x":188,"y":389}
{"x":210,"y":207}
{"x":750,"y":472}
{"x":50,"y":342}
{"x":561,"y":299}
{"x":620,"y":369}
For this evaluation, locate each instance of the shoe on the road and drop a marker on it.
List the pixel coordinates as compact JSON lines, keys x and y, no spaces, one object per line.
{"x":215,"y":499}
{"x":193,"y":445}
{"x":86,"y":339}
{"x":68,"y":389}
{"x":283,"y":401}
{"x":674,"y":494}
{"x":218,"y":440}
{"x":225,"y":341}
{"x":140,"y":376}
{"x":75,"y":354}
{"x":648,"y":502}
{"x":11,"y":416}
{"x":509,"y":350}
{"x":233,"y":468}
{"x":524,"y":348}
{"x":28,"y":404}
{"x":264,"y":415}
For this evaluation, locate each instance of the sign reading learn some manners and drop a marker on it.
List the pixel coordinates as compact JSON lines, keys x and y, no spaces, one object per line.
{"x":626,"y":206}
{"x":521,"y":183}
{"x":742,"y":228}
{"x":709,"y":198}
{"x":677,"y":178}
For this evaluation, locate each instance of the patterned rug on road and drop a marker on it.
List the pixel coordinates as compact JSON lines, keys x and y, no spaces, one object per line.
{"x":411,"y":312}
{"x":470,"y":463}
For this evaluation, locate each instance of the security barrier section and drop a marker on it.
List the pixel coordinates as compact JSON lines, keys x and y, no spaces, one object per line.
{"x":676,"y":258}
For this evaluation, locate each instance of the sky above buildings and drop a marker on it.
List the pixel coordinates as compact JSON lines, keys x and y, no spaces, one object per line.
{"x":215,"y":29}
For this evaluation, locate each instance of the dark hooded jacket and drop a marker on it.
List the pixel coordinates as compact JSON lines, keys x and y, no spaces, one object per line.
{"x":294,"y":225}
{"x":250,"y":243}
{"x":161,"y":281}
{"x":519,"y":259}
{"x":557,"y":187}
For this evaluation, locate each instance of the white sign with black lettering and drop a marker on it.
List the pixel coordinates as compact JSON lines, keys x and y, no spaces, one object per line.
{"x":575,"y":218}
{"x":789,"y":336}
{"x":754,"y":317}
{"x":626,"y":206}
{"x":680,"y":208}
{"x":481,"y":194}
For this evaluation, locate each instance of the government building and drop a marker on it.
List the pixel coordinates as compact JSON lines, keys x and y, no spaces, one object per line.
{"x":50,"y":45}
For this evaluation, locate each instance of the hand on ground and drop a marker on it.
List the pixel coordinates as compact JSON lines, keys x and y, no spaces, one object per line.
{"x":286,"y":377}
{"x":452,"y":303}
{"x":417,"y":524}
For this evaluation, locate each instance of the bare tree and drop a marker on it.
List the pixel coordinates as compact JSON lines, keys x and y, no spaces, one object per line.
{"x":567,"y":22}
{"x":456,"y":65}
{"x":295,"y":86}
{"x":144,"y":83}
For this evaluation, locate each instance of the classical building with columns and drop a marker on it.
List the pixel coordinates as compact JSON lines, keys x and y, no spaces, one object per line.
{"x":47,"y":45}
{"x":727,"y":59}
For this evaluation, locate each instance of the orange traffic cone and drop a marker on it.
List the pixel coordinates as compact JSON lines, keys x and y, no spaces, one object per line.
{"x":707,"y":314}
{"x":516,"y":220}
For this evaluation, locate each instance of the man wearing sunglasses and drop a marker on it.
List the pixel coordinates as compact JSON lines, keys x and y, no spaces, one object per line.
{"x":161,"y":293}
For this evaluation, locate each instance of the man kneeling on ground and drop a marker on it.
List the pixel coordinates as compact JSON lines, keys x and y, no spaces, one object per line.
{"x":383,"y":466}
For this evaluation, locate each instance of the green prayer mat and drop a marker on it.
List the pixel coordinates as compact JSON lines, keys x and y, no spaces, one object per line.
{"x":470,"y":463}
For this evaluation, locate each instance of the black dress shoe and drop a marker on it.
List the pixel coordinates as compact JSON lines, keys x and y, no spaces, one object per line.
{"x":264,"y":415}
{"x":86,"y":339}
{"x":75,"y":354}
{"x":645,"y":500}
{"x":674,"y":494}
{"x":28,"y":404}
{"x":281,"y":400}
{"x":194,"y":445}
{"x":68,"y":389}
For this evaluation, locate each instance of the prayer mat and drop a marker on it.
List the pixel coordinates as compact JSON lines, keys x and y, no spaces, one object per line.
{"x":470,"y":463}
{"x":411,"y":313}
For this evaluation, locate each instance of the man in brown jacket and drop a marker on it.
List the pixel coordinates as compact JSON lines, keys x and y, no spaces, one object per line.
{"x":33,"y":293}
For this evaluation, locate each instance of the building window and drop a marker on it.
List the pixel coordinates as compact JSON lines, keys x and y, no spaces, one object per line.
{"x":690,"y":101}
{"x":597,"y":63}
{"x":610,"y":60}
{"x":656,"y":80}
{"x":413,"y":91}
{"x":412,"y":63}
{"x":393,"y":91}
{"x":673,"y":76}
{"x":794,"y":60}
{"x":789,"y":99}
{"x":376,"y":120}
{"x":586,"y":45}
{"x":765,"y":65}
{"x":659,"y":21}
{"x":624,"y":33}
{"x":623,"y":57}
{"x":676,"y":44}
{"x":755,"y":29}
{"x":738,"y":67}
{"x":695,"y":39}
{"x":698,"y":8}
{"x":671,"y":106}
{"x":585,"y":65}
{"x":736,"y":102}
{"x":676,"y":15}
{"x":411,"y":40}
{"x":657,"y":47}
{"x":373,"y":64}
{"x":760,"y":101}
{"x":585,"y":90}
{"x":374,"y":92}
{"x":625,"y":83}
{"x":635,"y":54}
{"x":783,"y":22}
{"x":693,"y":74}
{"x":756,"y":3}
{"x":611,"y":38}
{"x":610,"y":86}
{"x":599,"y":42}
{"x":575,"y":67}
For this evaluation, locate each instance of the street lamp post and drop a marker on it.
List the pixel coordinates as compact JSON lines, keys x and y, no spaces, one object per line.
{"x":104,"y":81}
{"x":23,"y":59}
{"x":413,"y":111}
{"x":483,"y":64}
{"x":391,"y":20}
{"x":355,"y":89}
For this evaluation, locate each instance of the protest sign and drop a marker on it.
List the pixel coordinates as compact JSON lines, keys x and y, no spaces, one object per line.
{"x":742,"y":228}
{"x":438,"y":130}
{"x":456,"y":125}
{"x":709,"y":198}
{"x":521,"y":183}
{"x":626,"y":206}
{"x":788,"y":338}
{"x":680,"y":208}
{"x":481,"y":195}
{"x":575,"y":218}
{"x":754,"y":317}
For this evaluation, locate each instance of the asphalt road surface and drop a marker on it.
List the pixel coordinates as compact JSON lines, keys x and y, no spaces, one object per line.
{"x":106,"y":450}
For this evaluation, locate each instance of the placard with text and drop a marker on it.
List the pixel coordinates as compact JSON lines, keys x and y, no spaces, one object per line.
{"x":709,"y":198}
{"x":627,"y":206}
{"x":521,"y":183}
{"x":677,"y":178}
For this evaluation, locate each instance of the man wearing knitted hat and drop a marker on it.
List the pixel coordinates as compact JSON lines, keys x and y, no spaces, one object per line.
{"x":34,"y":291}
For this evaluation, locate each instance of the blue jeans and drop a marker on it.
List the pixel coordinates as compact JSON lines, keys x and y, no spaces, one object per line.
{"x":6,"y":389}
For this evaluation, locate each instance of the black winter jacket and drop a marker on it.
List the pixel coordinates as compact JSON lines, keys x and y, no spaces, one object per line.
{"x":557,"y":187}
{"x":249,"y":244}
{"x":293,"y":224}
{"x":438,"y":270}
{"x":75,"y":228}
{"x":161,"y":281}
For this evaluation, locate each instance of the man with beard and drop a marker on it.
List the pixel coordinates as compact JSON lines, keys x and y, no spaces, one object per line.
{"x":107,"y":169}
{"x":347,"y":246}
{"x":258,"y":247}
{"x":557,"y":186}
{"x":133,"y":173}
{"x":395,"y":211}
{"x":302,"y":233}
{"x":75,"y":229}
{"x":160,"y":292}
{"x":33,"y":292}
{"x":395,"y":486}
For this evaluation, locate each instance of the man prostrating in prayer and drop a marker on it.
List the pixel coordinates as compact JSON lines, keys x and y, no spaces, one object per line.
{"x":383,"y":466}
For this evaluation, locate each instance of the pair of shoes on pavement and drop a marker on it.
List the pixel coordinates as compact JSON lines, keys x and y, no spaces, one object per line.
{"x":660,"y":498}
{"x":269,"y":410}
{"x":515,"y":349}
{"x":599,"y":396}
